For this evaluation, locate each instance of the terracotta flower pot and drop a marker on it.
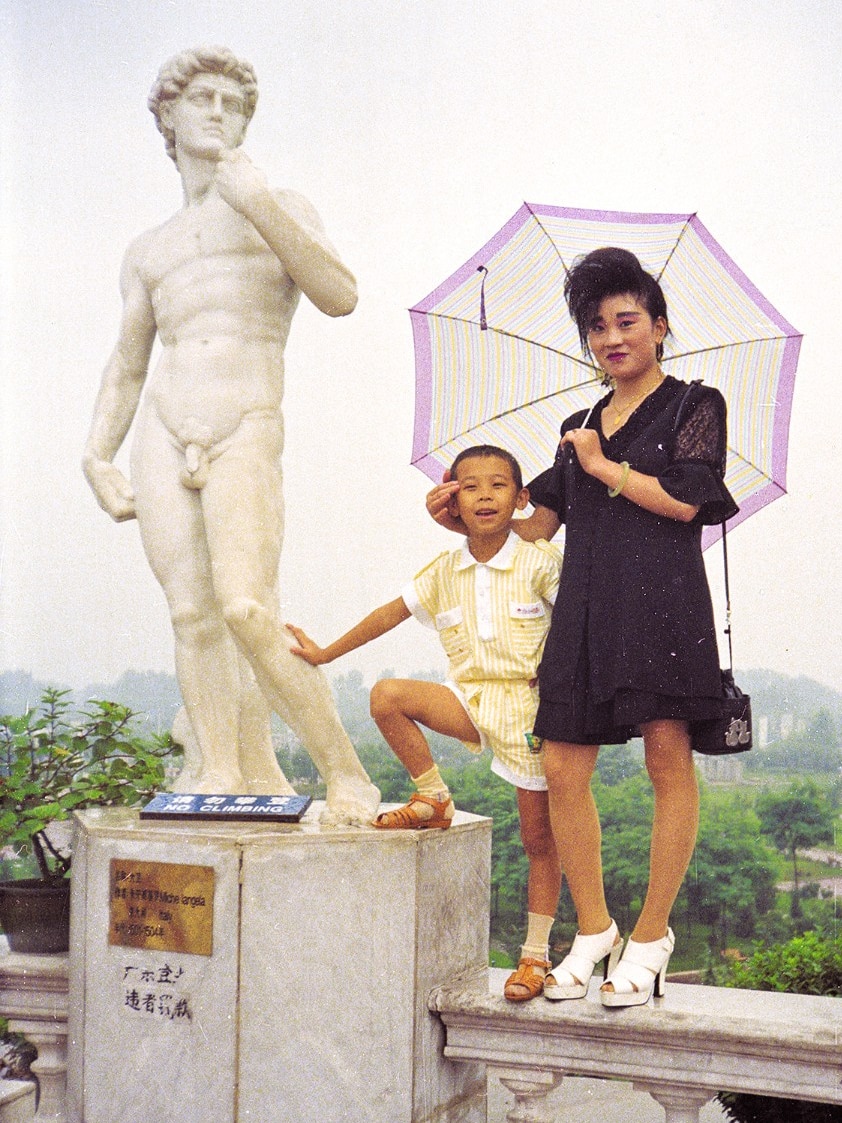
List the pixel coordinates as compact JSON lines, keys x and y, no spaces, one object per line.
{"x":35,"y":915}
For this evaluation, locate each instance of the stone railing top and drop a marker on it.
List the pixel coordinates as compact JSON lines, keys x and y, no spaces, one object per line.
{"x":49,"y":970}
{"x":126,"y":822}
{"x":702,"y":1037}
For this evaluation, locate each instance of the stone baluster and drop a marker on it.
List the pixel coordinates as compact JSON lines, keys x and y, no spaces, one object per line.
{"x":530,"y":1088}
{"x":681,"y":1105}
{"x":33,"y":996}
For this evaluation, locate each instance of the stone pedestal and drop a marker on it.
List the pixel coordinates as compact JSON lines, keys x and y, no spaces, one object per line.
{"x":312,"y":1005}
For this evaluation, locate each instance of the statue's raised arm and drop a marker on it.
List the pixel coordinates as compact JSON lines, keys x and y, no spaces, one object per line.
{"x":293,"y":231}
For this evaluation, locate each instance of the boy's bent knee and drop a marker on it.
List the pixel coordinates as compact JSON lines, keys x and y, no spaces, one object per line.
{"x":384,"y":698}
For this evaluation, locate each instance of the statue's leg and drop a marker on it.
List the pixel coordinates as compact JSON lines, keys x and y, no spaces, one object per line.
{"x":243,"y":510}
{"x":261,"y":772}
{"x":183,"y":735}
{"x":171,"y":526}
{"x":258,"y":763}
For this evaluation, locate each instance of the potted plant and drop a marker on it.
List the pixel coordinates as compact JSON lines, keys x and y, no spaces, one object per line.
{"x":54,"y":761}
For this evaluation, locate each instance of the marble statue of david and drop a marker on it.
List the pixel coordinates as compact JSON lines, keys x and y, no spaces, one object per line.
{"x":218,"y":284}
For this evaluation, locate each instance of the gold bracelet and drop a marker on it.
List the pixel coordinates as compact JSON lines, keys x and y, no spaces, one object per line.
{"x":613,"y":492}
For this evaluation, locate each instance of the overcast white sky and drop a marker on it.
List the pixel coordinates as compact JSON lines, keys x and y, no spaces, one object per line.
{"x":416,"y":129}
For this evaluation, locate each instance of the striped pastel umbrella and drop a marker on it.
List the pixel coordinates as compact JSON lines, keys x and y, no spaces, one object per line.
{"x":498,"y":358}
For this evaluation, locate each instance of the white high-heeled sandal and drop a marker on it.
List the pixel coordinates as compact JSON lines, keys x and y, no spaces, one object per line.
{"x":640,"y":972}
{"x":579,"y":964}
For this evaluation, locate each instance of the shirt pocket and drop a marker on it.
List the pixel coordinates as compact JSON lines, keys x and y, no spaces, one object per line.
{"x":450,"y":626}
{"x":529,"y":622}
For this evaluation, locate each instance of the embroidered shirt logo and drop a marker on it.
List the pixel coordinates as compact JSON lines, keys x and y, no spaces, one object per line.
{"x":526,"y":611}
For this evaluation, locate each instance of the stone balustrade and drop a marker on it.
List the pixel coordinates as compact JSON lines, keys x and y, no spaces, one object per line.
{"x":681,"y":1049}
{"x":33,"y":996}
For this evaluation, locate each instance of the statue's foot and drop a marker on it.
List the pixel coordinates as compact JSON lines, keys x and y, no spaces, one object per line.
{"x":258,"y":786}
{"x":210,"y":782}
{"x":351,"y":801}
{"x":185,"y":782}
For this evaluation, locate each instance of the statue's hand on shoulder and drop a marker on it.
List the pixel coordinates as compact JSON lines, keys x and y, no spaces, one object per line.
{"x":238,"y":181}
{"x":112,"y":490}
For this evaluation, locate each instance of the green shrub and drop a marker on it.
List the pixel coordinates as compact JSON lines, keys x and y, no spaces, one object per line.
{"x":808,"y":964}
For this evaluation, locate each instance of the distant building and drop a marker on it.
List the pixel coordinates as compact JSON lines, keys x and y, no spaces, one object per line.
{"x":721,"y":769}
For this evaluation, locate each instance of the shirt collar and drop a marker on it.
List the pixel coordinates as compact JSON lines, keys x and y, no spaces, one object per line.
{"x":503,"y":559}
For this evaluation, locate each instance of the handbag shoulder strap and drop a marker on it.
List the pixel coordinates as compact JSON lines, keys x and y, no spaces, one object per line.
{"x":723,"y":524}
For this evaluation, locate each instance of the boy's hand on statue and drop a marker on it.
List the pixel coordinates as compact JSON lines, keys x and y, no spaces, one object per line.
{"x":237,"y":180}
{"x":438,"y":504}
{"x":307,"y":650}
{"x":112,"y":490}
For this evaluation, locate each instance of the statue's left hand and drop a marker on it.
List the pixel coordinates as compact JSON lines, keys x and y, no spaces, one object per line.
{"x":238,"y":181}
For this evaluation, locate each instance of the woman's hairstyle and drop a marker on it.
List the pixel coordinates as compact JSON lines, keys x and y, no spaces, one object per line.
{"x":481,"y":451}
{"x":178,"y":72}
{"x":610,"y":272}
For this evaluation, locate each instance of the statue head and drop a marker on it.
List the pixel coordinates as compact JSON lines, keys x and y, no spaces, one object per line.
{"x":177,"y":73}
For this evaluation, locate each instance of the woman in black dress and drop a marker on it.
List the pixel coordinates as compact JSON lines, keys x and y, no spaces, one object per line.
{"x":632,"y":647}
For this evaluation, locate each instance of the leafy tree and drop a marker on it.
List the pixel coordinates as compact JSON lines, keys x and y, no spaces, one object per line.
{"x":351,"y":696}
{"x":385,"y":770}
{"x":616,"y":763}
{"x":798,"y":817}
{"x":625,"y":812}
{"x":302,"y":766}
{"x":475,"y":788}
{"x":731,"y":879}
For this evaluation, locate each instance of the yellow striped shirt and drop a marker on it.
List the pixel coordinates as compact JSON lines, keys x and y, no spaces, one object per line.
{"x":492,"y":619}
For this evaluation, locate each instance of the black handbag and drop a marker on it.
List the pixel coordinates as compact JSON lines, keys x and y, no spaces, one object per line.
{"x":731,"y":732}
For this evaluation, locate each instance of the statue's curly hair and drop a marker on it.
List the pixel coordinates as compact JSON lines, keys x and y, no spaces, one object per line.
{"x":177,"y":73}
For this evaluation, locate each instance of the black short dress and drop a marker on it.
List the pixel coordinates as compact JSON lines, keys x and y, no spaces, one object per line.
{"x":632,"y":637}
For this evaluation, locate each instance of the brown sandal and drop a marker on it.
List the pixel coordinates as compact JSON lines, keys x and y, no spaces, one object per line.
{"x":407,"y":818}
{"x":526,"y":979}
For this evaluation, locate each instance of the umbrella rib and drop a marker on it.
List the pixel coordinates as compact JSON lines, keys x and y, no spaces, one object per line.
{"x":509,"y":335}
{"x":675,"y":245}
{"x":723,"y":347}
{"x":514,"y":409}
{"x":550,"y":239}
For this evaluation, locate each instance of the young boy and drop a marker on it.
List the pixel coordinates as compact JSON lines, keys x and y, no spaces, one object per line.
{"x":489,"y":601}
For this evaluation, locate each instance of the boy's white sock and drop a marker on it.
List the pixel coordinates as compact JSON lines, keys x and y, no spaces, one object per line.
{"x":536,"y":945}
{"x":430,"y":784}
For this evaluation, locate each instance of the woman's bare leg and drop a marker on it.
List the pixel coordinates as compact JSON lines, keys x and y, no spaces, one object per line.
{"x":669,"y":762}
{"x":576,"y":829}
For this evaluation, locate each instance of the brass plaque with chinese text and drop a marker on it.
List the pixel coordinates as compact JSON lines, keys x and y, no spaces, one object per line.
{"x":162,"y":906}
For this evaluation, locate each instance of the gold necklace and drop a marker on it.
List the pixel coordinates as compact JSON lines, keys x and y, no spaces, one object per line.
{"x":618,"y":413}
